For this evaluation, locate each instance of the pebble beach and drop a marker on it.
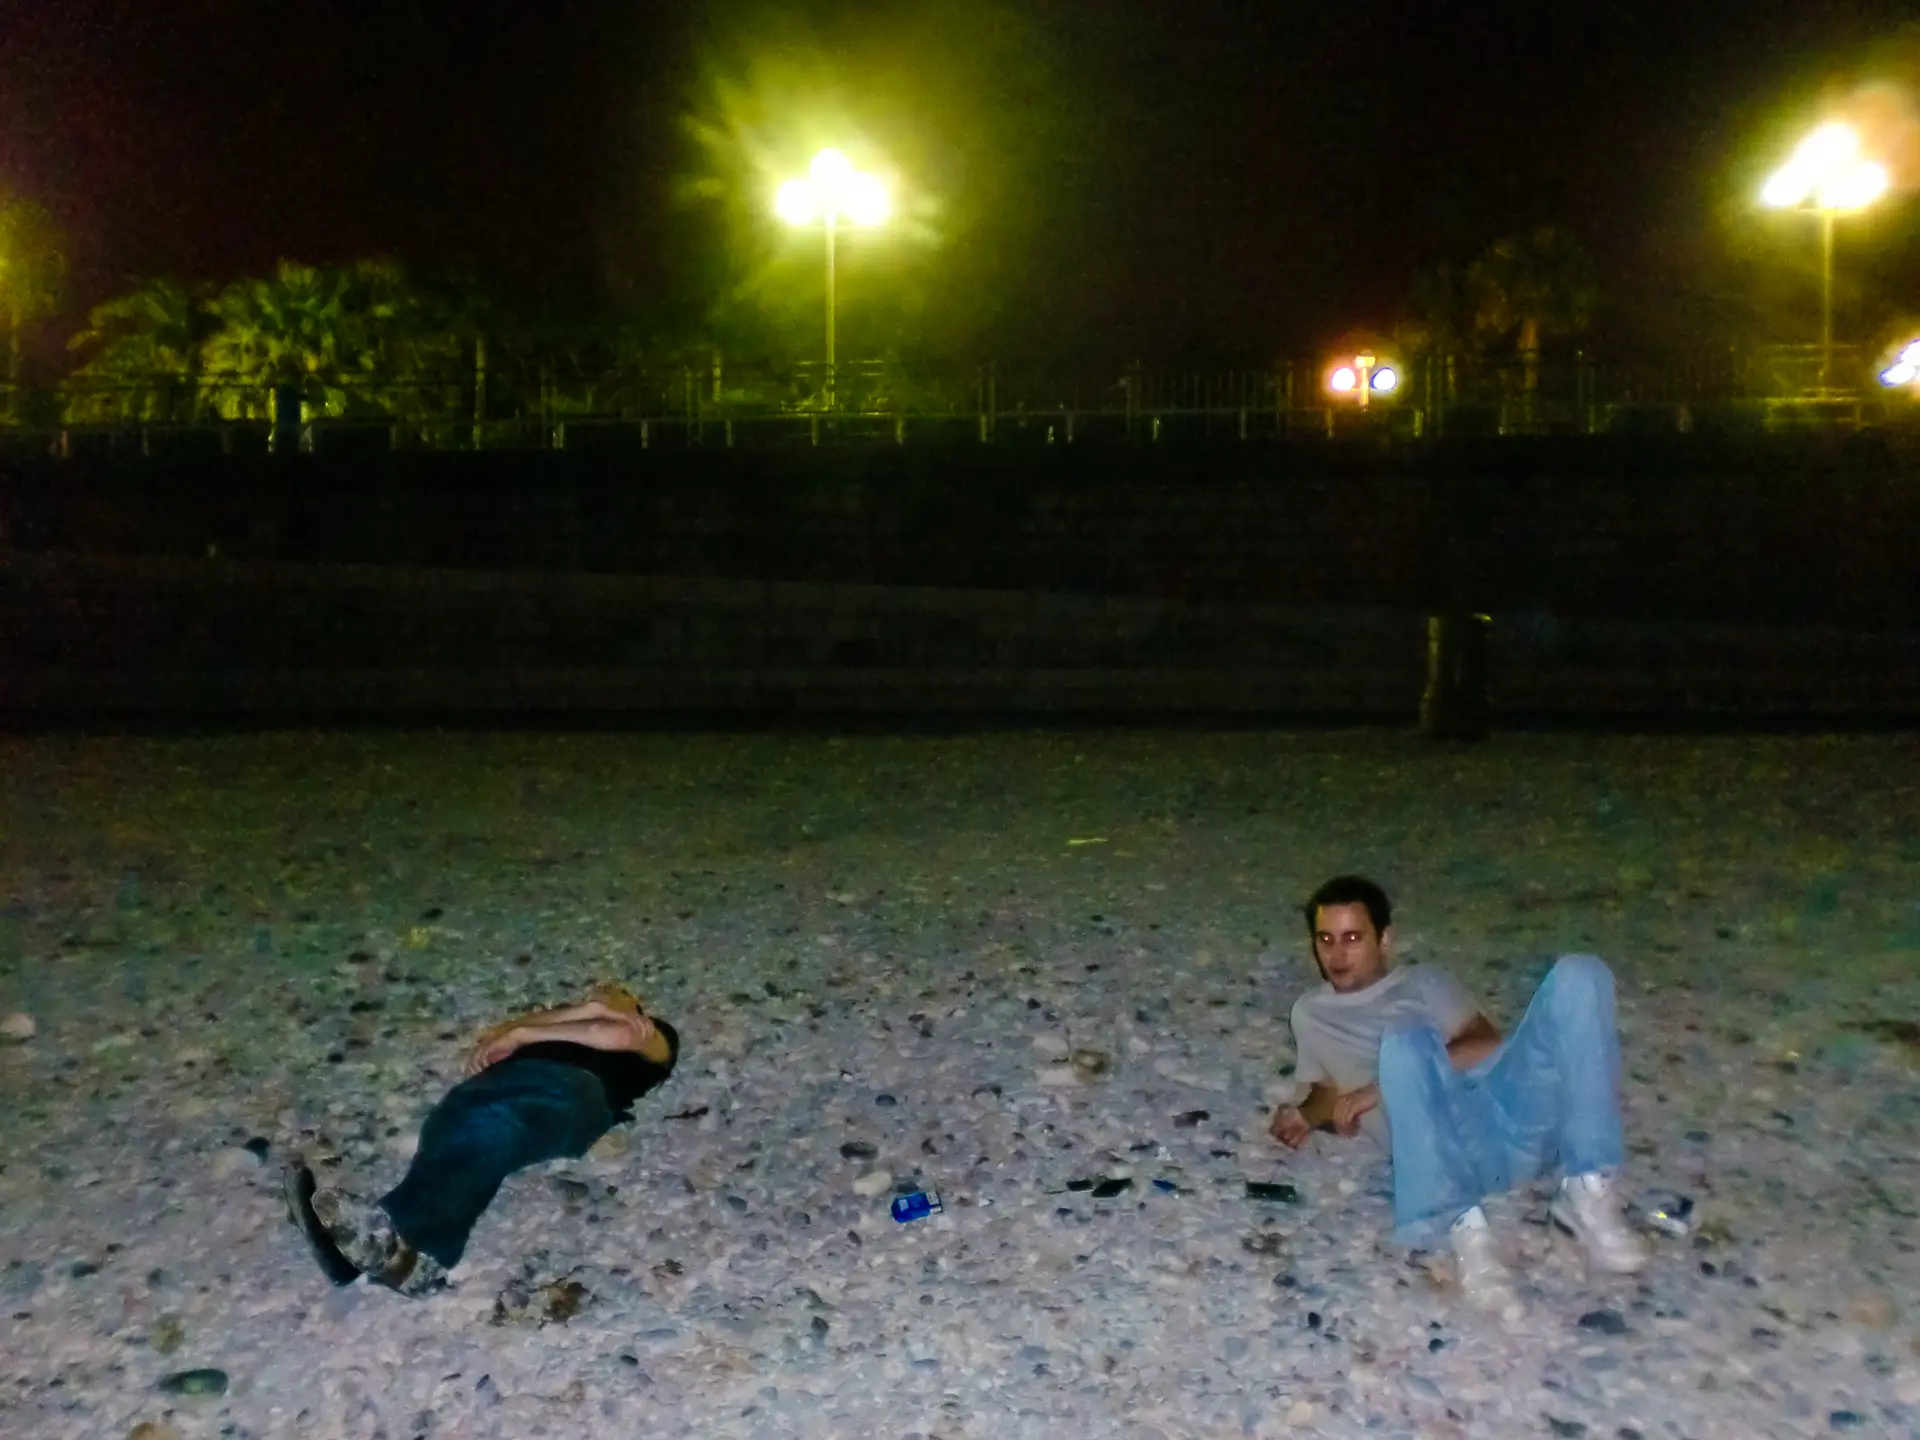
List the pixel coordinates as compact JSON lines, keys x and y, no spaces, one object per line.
{"x":1044,"y":974}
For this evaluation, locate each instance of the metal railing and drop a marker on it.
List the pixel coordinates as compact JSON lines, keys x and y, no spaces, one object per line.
{"x":642,"y":408}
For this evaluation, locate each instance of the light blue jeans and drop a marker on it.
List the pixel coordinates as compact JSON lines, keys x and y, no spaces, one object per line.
{"x":1547,"y":1099}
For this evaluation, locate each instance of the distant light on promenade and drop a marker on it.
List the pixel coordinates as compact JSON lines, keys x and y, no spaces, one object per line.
{"x":1828,"y":173}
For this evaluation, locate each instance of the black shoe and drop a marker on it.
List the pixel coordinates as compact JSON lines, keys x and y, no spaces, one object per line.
{"x":299,"y":1186}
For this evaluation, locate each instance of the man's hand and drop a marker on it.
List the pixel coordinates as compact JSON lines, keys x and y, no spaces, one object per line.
{"x":1348,"y":1109}
{"x":491,"y":1049}
{"x":1290,"y":1127}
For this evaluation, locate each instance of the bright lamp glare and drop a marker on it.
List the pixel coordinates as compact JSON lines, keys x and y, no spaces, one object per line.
{"x":1911,"y":355}
{"x":1901,"y":372}
{"x":830,"y":169}
{"x":1853,"y":188}
{"x":797,"y":203}
{"x":1830,"y":147}
{"x":1384,"y":379}
{"x":1784,"y":188}
{"x":834,"y":190}
{"x":864,"y":199}
{"x":1828,"y":171}
{"x":1343,"y":379}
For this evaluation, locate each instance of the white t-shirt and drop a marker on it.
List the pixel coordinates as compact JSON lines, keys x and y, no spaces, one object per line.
{"x":1337,"y":1036}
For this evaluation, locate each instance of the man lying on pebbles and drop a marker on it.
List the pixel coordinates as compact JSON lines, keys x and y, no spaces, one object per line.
{"x":1405,"y":1055}
{"x":540,"y":1087}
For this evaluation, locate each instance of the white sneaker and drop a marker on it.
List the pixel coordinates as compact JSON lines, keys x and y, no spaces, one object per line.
{"x":1587,"y":1208}
{"x":1484,"y":1279}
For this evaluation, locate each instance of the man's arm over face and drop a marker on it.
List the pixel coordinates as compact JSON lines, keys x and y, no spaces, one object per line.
{"x":615,"y":1031}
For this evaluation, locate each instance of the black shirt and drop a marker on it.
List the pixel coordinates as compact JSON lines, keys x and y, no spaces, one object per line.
{"x":626,"y":1075}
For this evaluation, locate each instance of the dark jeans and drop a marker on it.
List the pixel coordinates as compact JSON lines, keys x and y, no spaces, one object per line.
{"x":507,"y":1117}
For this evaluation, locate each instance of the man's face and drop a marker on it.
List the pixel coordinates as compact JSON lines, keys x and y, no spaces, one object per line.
{"x":1352,"y":954}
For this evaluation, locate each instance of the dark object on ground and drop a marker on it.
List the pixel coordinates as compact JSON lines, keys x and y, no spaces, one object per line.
{"x":694,"y":1114}
{"x":300,"y":1185}
{"x":1081,"y":1184}
{"x":532,"y":1303}
{"x":1107,"y":1189}
{"x":858,"y":1150}
{"x":1283,"y":1194}
{"x":194,"y":1382}
{"x":1897,"y":1032}
{"x":1668,"y":1213}
{"x":1191,"y":1118}
{"x":1605,"y":1322}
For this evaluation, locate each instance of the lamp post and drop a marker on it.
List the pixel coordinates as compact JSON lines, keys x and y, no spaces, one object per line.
{"x":833,"y":192}
{"x":1828,"y":175}
{"x":1363,"y":377}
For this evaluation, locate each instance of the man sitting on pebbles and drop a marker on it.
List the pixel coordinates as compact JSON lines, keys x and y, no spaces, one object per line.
{"x":540,"y":1087}
{"x":1465,"y":1114}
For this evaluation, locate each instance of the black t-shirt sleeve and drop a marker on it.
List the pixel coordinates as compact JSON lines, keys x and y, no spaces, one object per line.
{"x":625,"y":1074}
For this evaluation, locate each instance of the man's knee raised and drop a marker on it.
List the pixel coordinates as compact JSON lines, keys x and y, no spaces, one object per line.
{"x":1580,"y":980}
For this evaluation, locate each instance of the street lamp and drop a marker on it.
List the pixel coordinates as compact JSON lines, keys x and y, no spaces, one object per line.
{"x":1905,"y":369}
{"x":833,"y":192}
{"x":1362,"y":378}
{"x":1828,"y":175}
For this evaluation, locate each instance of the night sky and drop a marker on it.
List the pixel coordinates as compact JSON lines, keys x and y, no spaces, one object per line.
{"x":1162,"y":177}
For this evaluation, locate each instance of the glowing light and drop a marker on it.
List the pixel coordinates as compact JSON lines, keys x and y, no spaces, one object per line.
{"x":1343,"y":379}
{"x":1905,"y":369}
{"x":1384,"y":379}
{"x":1854,"y":188}
{"x":865,"y":200}
{"x":834,"y":191}
{"x":830,"y":170}
{"x":796,"y":203}
{"x":1827,"y":171}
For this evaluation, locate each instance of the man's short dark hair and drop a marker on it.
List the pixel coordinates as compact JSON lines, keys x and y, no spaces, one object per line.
{"x":1351,"y":890}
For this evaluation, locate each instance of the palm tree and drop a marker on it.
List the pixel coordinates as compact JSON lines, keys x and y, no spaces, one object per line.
{"x":1531,"y":286}
{"x":33,"y":268}
{"x":455,"y":324}
{"x":146,"y":355}
{"x":286,"y":330}
{"x":406,"y":339}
